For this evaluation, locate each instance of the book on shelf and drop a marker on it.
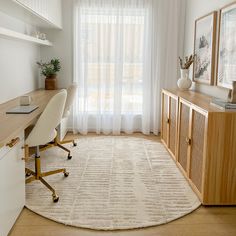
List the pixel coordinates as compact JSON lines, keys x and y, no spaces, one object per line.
{"x":223,"y":105}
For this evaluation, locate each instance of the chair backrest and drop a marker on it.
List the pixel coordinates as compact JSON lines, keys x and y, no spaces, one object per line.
{"x":71,"y":92}
{"x":44,"y":130}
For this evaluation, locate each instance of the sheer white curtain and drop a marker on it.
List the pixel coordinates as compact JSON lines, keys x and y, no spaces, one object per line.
{"x":125,"y":51}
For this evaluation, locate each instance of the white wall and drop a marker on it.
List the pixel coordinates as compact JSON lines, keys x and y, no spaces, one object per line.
{"x":194,"y":10}
{"x":62,"y":46}
{"x":18,"y":71}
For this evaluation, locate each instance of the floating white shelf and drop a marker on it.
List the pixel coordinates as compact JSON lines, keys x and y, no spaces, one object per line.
{"x":6,"y":33}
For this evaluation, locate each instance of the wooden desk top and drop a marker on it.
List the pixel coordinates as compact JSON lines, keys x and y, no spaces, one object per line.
{"x":12,"y":124}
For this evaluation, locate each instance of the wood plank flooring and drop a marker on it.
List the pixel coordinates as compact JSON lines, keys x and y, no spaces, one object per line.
{"x":205,"y":221}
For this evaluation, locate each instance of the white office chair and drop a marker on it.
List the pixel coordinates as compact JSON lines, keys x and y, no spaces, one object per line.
{"x":71,"y":92}
{"x":44,"y":132}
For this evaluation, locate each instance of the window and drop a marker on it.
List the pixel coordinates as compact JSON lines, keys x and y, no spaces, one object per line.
{"x":112,"y":59}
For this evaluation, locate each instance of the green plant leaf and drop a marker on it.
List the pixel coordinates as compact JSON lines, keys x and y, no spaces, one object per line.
{"x":50,"y":68}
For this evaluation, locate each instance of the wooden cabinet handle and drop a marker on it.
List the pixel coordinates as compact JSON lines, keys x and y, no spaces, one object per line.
{"x":188,"y":141}
{"x":167,"y":120}
{"x":13,"y":142}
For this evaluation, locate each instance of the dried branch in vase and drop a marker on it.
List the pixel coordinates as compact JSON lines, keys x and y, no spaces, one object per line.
{"x":187,"y":62}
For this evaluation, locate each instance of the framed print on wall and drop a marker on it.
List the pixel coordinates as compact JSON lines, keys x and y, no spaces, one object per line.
{"x":204,"y":49}
{"x":226,"y":72}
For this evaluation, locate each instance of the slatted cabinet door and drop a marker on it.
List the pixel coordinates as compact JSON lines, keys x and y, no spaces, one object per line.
{"x":165,"y":119}
{"x":169,"y":121}
{"x":184,"y":134}
{"x":173,"y":114}
{"x":198,"y":132}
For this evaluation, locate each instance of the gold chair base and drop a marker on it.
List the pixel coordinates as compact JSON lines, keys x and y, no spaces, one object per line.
{"x":69,"y":141}
{"x":38,"y":175}
{"x":57,"y":143}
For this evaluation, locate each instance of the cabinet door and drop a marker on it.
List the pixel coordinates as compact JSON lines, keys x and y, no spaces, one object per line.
{"x":173,"y":109}
{"x":12,"y":186}
{"x":183,"y":145}
{"x":197,"y":148}
{"x":49,"y":10}
{"x":54,"y":12}
{"x":165,"y":118}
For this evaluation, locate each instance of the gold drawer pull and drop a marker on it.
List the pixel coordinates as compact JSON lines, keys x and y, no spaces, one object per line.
{"x":13,"y":142}
{"x":188,"y":141}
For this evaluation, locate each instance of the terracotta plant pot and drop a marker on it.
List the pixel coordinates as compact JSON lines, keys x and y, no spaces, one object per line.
{"x":51,"y":83}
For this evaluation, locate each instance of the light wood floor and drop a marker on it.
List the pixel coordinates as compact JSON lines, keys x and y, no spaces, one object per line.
{"x":205,"y":221}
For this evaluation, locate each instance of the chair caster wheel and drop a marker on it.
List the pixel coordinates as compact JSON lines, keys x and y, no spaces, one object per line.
{"x":66,"y":174}
{"x":74,"y":144}
{"x":69,"y":156}
{"x":27,"y":174}
{"x":55,"y":198}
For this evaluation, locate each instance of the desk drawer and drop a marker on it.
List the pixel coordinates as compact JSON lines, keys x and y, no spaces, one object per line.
{"x":12,"y":184}
{"x":11,"y":144}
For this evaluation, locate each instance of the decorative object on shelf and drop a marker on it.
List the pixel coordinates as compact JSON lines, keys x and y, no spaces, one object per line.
{"x":40,"y":35}
{"x":232,"y":93}
{"x":204,"y":49}
{"x":43,"y":36}
{"x":36,"y":34}
{"x":184,"y":83}
{"x":223,"y":104}
{"x":226,"y":72}
{"x":49,"y":70}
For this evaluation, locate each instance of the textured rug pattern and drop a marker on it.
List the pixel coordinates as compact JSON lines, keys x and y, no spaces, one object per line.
{"x":114,"y":183}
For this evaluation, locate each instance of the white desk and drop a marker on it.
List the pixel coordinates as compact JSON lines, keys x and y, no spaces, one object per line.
{"x":12,"y":167}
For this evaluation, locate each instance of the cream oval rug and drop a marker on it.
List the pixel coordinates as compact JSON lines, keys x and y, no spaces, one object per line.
{"x":114,"y":183}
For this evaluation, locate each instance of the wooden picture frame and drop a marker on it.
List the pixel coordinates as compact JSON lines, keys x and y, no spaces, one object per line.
{"x":226,"y":72}
{"x":205,"y":48}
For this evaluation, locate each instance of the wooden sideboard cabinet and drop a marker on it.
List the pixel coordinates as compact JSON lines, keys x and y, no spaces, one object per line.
{"x":202,"y":140}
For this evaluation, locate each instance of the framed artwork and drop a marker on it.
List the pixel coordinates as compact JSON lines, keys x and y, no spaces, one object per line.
{"x":226,"y":71}
{"x":204,"y":49}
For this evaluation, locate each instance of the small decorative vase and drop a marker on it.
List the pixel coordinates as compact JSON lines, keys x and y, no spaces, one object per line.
{"x":232,"y":93}
{"x":51,"y":83}
{"x":184,"y":83}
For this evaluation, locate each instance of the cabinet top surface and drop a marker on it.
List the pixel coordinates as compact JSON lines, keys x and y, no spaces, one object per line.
{"x":198,"y":99}
{"x":12,"y":124}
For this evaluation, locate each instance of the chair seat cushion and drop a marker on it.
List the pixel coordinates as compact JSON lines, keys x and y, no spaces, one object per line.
{"x":37,"y":140}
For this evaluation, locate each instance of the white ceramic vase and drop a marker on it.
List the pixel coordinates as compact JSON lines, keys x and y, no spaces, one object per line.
{"x":184,"y":83}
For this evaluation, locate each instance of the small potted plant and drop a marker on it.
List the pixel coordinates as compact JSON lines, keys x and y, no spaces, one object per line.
{"x":50,"y":70}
